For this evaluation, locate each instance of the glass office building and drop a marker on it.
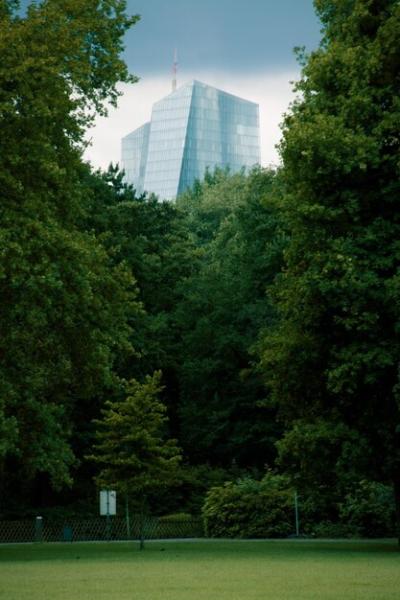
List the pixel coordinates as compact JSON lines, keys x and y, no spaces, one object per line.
{"x":134,"y":155}
{"x":194,"y":128}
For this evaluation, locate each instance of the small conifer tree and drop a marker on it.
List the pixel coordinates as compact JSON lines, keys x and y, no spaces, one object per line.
{"x":134,"y":456}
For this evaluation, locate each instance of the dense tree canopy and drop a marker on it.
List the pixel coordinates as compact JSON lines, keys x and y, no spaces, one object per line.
{"x":150,"y":237}
{"x":238,"y":243}
{"x":333,"y":361}
{"x":64,"y":304}
{"x":287,"y":278}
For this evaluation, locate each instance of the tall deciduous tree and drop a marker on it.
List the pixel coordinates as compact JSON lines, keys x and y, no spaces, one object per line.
{"x":335,"y":356}
{"x":64,"y":305}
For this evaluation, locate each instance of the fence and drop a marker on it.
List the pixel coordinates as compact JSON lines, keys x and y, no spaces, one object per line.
{"x":113,"y":528}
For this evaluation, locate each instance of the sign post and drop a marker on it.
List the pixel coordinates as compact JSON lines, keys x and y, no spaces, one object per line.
{"x":39,"y":529}
{"x":108,"y":507}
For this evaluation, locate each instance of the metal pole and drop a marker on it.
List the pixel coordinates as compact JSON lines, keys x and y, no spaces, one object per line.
{"x":296,"y":512}
{"x":128,"y":524}
{"x":108,"y":515}
{"x":142,"y":524}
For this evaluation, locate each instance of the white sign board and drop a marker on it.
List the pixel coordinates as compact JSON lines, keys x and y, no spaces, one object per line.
{"x":108,"y":503}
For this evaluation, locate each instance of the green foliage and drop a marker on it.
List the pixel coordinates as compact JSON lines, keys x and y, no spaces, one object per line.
{"x":369,"y":509}
{"x":334,"y":355}
{"x":8,"y":431}
{"x":101,"y":286}
{"x":65,"y":306}
{"x":176,"y":518}
{"x":150,"y":238}
{"x":235,"y":230}
{"x":202,"y":309}
{"x":51,"y":86}
{"x":131,"y":450}
{"x":323,"y":459}
{"x":196,"y":481}
{"x":250,"y":509}
{"x":327,"y":529}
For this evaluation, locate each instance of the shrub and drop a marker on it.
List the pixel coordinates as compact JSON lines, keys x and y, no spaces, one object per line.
{"x":327,"y":529}
{"x":188,"y":496}
{"x":250,"y":509}
{"x":175,"y":518}
{"x":369,"y":509}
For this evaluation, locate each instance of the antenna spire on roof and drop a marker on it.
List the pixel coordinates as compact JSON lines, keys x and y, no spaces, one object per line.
{"x":174,"y":70}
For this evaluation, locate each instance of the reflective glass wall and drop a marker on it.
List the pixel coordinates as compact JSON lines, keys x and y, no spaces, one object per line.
{"x":223,"y":131}
{"x":169,"y":120}
{"x":194,"y":128}
{"x":134,"y":156}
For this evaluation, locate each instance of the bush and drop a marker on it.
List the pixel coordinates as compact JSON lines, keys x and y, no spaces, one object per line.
{"x":175,"y":518}
{"x":188,"y":496}
{"x":250,"y":509}
{"x":369,"y":509}
{"x":327,"y":529}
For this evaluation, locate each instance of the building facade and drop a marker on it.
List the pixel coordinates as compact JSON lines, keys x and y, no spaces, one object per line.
{"x":195,"y":128}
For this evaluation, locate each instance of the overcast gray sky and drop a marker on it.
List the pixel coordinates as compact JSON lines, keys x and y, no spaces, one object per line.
{"x":244,"y":47}
{"x":235,"y":36}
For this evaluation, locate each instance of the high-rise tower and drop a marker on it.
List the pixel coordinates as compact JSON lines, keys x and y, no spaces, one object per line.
{"x":194,"y":128}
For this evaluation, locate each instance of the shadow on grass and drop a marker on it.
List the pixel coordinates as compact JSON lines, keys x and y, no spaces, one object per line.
{"x":126,"y":551}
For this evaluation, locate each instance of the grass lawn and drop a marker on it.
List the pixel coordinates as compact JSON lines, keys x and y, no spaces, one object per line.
{"x":201,"y":570}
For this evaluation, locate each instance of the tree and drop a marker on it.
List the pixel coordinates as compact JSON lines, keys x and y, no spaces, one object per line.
{"x":235,"y":230}
{"x":150,"y":237}
{"x":335,"y":355}
{"x":131,"y":449}
{"x":65,"y":306}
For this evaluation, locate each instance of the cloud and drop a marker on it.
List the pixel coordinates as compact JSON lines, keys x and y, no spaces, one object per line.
{"x":272,"y":91}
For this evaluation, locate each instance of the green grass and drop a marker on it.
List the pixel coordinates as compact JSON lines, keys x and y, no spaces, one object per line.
{"x":203,"y":570}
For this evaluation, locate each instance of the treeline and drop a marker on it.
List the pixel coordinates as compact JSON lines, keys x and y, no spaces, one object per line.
{"x":269,"y":300}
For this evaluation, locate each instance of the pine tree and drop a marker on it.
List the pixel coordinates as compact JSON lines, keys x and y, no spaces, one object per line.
{"x":131,"y":448}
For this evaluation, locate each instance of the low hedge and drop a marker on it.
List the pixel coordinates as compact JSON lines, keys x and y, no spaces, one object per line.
{"x":250,"y":509}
